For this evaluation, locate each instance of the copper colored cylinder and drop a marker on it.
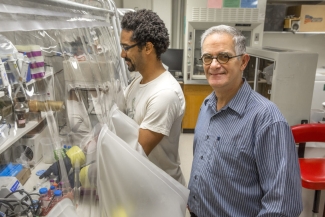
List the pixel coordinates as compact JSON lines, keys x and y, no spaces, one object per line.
{"x":37,"y":106}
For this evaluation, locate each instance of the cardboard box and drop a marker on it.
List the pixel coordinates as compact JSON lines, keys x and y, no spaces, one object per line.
{"x":23,"y":175}
{"x":312,"y":17}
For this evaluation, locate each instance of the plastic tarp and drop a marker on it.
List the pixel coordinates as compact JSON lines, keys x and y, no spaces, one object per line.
{"x":127,"y":129}
{"x":133,"y":186}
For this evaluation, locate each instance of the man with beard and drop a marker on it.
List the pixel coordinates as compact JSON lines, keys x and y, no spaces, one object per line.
{"x":154,"y":99}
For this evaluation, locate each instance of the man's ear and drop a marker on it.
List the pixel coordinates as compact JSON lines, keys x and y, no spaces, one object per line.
{"x":149,"y":47}
{"x":244,"y":61}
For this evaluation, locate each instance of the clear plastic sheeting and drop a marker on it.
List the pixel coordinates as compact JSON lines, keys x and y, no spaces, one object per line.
{"x":127,"y":129}
{"x":6,"y":47}
{"x":61,"y":98}
{"x":153,"y":193}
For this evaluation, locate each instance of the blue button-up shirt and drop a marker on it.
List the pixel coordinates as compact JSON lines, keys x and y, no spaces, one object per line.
{"x":245,"y":161}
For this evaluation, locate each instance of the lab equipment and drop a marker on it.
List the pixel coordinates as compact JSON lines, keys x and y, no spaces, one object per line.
{"x":288,"y":79}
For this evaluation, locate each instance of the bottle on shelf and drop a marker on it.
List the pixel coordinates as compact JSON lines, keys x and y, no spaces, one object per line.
{"x":44,"y":198}
{"x":4,"y":131}
{"x":57,"y":196}
{"x":21,"y":110}
{"x":6,"y":105}
{"x":51,"y":191}
{"x":24,"y":70}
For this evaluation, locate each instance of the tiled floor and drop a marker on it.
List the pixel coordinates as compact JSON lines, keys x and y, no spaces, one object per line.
{"x":186,"y":155}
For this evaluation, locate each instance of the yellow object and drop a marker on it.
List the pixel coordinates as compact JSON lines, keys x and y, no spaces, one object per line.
{"x":83,"y":177}
{"x":36,"y":106}
{"x":76,"y":156}
{"x":119,"y":212}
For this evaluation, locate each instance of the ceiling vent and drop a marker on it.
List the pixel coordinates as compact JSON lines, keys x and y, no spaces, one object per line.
{"x":241,"y":15}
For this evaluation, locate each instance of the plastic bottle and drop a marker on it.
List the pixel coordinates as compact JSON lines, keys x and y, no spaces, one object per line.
{"x":4,"y":131}
{"x":4,"y":76}
{"x":24,"y":68}
{"x":21,"y":111}
{"x":14,"y":67}
{"x":45,"y":200}
{"x":56,"y":198}
{"x":51,"y":191}
{"x":55,"y":185}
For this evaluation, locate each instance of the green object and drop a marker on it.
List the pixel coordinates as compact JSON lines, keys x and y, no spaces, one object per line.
{"x":231,"y":3}
{"x":59,"y":153}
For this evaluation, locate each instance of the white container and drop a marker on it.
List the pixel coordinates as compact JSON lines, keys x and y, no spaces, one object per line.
{"x":317,"y":115}
{"x":47,"y":150}
{"x":64,"y":208}
{"x":4,"y":76}
{"x":13,"y":67}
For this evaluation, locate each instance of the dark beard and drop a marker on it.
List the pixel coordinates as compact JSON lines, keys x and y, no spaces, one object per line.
{"x":131,"y":68}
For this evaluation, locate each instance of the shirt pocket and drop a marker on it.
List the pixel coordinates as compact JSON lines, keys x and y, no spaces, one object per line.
{"x":224,"y":158}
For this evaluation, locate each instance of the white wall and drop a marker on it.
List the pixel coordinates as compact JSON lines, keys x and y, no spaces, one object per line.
{"x":118,"y":3}
{"x":162,"y":8}
{"x":305,"y":42}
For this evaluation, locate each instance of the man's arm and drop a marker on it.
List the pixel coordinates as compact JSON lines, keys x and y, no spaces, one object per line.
{"x":279,"y":173}
{"x":149,"y":139}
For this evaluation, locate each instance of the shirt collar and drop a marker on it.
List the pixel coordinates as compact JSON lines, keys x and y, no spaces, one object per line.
{"x":237,"y":103}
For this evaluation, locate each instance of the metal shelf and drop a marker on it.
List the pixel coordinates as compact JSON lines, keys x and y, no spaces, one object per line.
{"x":17,"y":134}
{"x":295,"y":33}
{"x":74,"y":5}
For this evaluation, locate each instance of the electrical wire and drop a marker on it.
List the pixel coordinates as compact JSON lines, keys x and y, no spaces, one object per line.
{"x":12,"y":203}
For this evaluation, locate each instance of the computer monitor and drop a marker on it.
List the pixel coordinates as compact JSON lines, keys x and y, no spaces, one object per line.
{"x":173,"y":58}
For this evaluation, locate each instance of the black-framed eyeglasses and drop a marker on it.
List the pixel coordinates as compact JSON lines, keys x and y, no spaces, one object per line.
{"x":126,"y":48}
{"x":222,"y":58}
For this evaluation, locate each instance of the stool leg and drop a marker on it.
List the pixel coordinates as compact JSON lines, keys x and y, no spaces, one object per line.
{"x":324,"y":211}
{"x":316,"y":202}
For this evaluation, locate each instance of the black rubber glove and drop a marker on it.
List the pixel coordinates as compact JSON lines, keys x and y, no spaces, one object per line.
{"x":55,"y":170}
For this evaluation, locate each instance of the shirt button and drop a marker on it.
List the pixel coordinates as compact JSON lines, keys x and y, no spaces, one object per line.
{"x":207,"y":137}
{"x":194,"y":196}
{"x":201,"y":157}
{"x":195,"y":177}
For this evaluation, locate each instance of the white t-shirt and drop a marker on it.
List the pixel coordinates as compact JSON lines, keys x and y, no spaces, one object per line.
{"x":159,"y":106}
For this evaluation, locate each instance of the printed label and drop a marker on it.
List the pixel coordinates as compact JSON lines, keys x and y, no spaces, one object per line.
{"x":311,"y":19}
{"x":21,"y":121}
{"x":14,"y":187}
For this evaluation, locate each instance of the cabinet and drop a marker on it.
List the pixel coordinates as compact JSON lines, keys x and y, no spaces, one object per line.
{"x":194,"y":96}
{"x":284,"y":76}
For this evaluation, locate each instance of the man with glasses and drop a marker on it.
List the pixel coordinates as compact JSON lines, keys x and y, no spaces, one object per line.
{"x":245,"y":162}
{"x":154,"y":99}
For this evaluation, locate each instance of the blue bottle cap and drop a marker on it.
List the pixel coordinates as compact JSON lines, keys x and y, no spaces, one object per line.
{"x":57,"y":193}
{"x":64,"y":146}
{"x":52,"y":187}
{"x":43,"y":190}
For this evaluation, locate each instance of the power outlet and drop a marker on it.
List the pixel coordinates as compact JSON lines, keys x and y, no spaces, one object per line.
{"x":257,"y":37}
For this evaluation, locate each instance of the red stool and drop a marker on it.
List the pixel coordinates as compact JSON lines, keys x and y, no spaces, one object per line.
{"x":312,"y":169}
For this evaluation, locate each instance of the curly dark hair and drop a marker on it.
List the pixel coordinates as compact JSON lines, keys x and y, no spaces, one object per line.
{"x":147,"y":27}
